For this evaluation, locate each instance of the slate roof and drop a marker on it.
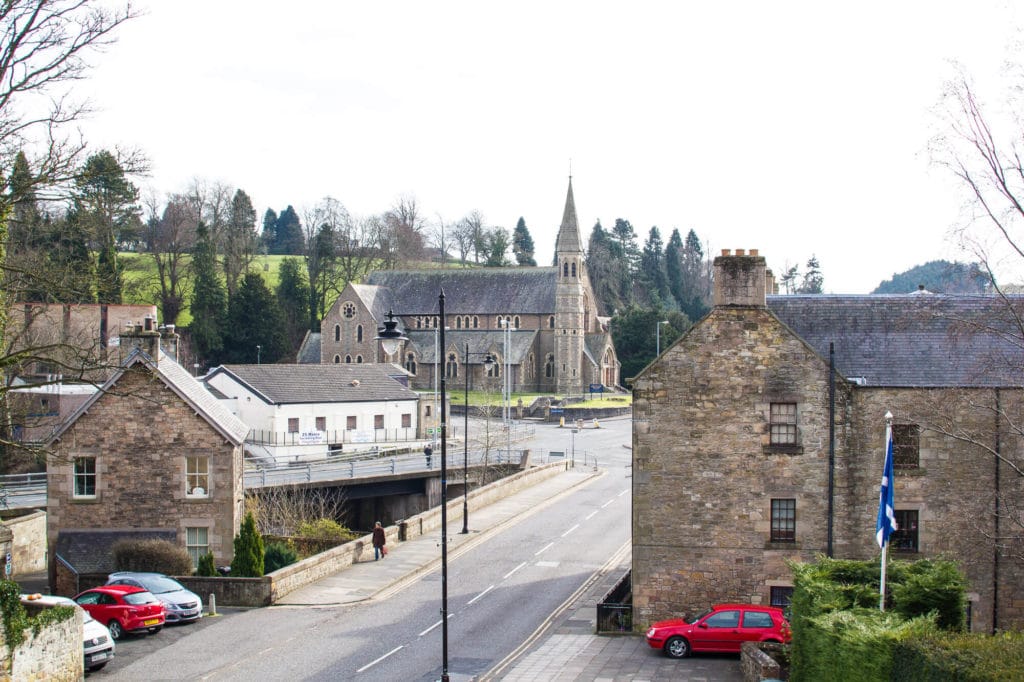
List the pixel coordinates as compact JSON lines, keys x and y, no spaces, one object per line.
{"x":90,"y":551}
{"x":309,"y":351}
{"x":569,"y":233}
{"x":523,"y":291}
{"x":184,"y":385}
{"x":480,"y":342}
{"x":328,"y":383}
{"x":911,"y":340}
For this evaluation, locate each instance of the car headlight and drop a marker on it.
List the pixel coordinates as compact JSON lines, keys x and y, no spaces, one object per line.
{"x":650,"y":633}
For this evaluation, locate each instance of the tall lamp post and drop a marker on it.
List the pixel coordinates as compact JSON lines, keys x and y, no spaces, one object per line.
{"x":444,"y":510}
{"x":657,"y":337}
{"x":488,"y":362}
{"x":389,"y":336}
{"x":506,"y":384}
{"x":258,"y":349}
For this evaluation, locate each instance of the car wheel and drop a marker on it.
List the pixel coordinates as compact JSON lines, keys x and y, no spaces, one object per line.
{"x":677,"y":647}
{"x":116,"y":631}
{"x":155,"y":630}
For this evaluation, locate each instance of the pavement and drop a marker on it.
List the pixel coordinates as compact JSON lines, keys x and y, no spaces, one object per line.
{"x":564,"y":647}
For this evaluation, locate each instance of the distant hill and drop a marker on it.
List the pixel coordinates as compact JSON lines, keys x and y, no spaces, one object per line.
{"x":940,"y":277}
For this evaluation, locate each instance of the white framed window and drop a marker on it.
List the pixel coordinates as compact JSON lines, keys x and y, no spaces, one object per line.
{"x":197,"y":476}
{"x":85,"y":478}
{"x":197,"y":542}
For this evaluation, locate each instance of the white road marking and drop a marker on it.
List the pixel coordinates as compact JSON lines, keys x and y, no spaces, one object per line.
{"x":607,"y":503}
{"x":591,"y":515}
{"x":480,"y":595}
{"x":623,"y":492}
{"x":433,"y":626}
{"x":570,"y":530}
{"x":506,"y":576}
{"x":375,"y":662}
{"x":544,"y":548}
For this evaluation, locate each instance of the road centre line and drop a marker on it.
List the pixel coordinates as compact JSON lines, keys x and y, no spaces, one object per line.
{"x":432,"y":627}
{"x":480,"y":595}
{"x":544,"y":548}
{"x":570,"y":530}
{"x":623,"y":492}
{"x":607,"y":503}
{"x":509,"y":574}
{"x":591,"y":515}
{"x":376,"y":661}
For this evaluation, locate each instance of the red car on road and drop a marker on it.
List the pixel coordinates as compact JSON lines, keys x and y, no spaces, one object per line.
{"x":123,"y":608}
{"x":723,"y":628}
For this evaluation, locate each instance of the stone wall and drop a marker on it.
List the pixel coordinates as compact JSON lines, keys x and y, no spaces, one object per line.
{"x":756,"y":664}
{"x":29,"y":544}
{"x":55,"y":653}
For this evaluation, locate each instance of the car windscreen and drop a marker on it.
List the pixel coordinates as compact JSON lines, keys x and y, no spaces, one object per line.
{"x":136,"y":598}
{"x":694,"y":619}
{"x":160,"y":585}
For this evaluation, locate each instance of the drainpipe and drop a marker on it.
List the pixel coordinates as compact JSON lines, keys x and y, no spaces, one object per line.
{"x":831,"y":441}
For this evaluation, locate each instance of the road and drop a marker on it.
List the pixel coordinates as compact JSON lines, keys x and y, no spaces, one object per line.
{"x":500,"y":590}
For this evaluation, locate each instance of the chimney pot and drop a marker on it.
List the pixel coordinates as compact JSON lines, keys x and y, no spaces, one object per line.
{"x":726,"y":252}
{"x":741,"y":252}
{"x":753,"y":252}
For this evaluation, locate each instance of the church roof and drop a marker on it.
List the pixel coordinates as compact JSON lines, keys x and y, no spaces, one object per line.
{"x":911,"y":340}
{"x":467,"y":291}
{"x":569,"y":232}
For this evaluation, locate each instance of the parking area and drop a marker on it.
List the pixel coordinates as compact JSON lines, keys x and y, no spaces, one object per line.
{"x":132,"y":648}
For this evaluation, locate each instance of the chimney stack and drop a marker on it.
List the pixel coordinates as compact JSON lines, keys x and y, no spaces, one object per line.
{"x":741,"y":279}
{"x":143,"y":336}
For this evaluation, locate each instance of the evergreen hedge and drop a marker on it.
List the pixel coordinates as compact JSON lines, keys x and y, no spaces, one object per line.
{"x":151,"y":555}
{"x":278,"y":555}
{"x":248,"y":559}
{"x":966,"y":657}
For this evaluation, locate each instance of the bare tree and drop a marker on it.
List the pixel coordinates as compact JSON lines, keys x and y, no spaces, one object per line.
{"x":464,"y":234}
{"x":281,"y":510}
{"x":405,"y":230}
{"x":170,"y":236}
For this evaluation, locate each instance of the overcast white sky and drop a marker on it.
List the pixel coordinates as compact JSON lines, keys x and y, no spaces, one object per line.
{"x":796,"y":128}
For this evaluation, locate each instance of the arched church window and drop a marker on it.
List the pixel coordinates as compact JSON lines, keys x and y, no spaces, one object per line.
{"x":551,"y":322}
{"x":359,"y":334}
{"x":565,"y":269}
{"x":515,"y":322}
{"x":337,"y":332}
{"x":574,"y":269}
{"x":348,"y":359}
{"x":410,"y":363}
{"x":476,"y":322}
{"x":337,"y":359}
{"x":549,"y":366}
{"x":359,"y":359}
{"x":451,"y":367}
{"x":458,"y":323}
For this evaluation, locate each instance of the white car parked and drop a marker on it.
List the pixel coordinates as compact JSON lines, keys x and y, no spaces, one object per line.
{"x":97,"y":644}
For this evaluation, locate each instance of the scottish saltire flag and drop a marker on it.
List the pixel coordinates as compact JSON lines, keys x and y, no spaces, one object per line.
{"x":886,"y":517}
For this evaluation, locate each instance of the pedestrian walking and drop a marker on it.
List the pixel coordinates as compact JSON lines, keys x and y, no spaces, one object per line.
{"x":379,"y":541}
{"x":428,"y":451}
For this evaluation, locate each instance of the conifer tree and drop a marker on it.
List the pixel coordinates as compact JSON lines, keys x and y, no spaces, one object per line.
{"x":209,"y":301}
{"x":268,"y":237}
{"x":293,"y":296}
{"x":254,"y":319}
{"x":288,"y":237}
{"x":239,"y":240}
{"x":522,"y":244}
{"x":249,"y":553}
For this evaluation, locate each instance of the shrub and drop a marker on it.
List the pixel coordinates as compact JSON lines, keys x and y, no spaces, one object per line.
{"x":206,"y":566}
{"x":327,"y":531}
{"x":278,"y":555}
{"x":249,"y":553}
{"x":961,"y":656}
{"x":158,"y":556}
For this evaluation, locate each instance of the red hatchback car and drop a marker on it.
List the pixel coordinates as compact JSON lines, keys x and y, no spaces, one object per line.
{"x":123,"y":608}
{"x":721,"y":629}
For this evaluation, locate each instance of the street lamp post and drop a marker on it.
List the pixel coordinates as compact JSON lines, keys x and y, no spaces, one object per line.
{"x":488,"y":362}
{"x":258,"y":349}
{"x":444,"y":512}
{"x":657,"y":335}
{"x":506,"y":385}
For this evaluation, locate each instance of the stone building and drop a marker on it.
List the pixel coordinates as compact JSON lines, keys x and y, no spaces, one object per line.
{"x":151,"y":454}
{"x":540,"y":322}
{"x":759,"y":439}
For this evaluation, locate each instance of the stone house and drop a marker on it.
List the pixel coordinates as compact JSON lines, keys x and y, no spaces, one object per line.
{"x":153,"y":452}
{"x":759,"y":439}
{"x":301,"y":412}
{"x":541,"y":323}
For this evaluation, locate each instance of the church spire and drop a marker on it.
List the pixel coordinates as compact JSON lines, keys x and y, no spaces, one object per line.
{"x":569,"y":233}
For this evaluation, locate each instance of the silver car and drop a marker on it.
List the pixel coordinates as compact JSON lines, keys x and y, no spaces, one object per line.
{"x":180,"y":605}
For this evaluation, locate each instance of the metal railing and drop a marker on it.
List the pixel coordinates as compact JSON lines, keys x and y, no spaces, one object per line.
{"x":615,"y":611}
{"x":24,"y":482}
{"x":384,"y":465}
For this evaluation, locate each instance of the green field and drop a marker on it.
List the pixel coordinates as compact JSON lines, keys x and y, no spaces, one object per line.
{"x":142,"y":284}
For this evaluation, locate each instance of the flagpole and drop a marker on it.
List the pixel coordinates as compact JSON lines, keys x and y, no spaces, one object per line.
{"x":886,"y":523}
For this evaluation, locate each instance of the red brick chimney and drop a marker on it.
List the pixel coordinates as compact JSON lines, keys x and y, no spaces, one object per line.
{"x":741,"y":278}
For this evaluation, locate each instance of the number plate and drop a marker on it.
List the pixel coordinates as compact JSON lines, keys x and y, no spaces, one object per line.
{"x":151,"y":621}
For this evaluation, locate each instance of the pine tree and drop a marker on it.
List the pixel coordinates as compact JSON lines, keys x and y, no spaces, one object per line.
{"x":254,"y":319}
{"x":813,"y":279}
{"x":293,"y":296}
{"x":604,"y":267}
{"x":268,"y":237}
{"x":522,"y":244}
{"x":652,"y":280}
{"x":239,"y":240}
{"x":209,"y":301}
{"x":288,"y":238}
{"x":249,"y":553}
{"x":696,"y":286}
{"x":674,"y":266}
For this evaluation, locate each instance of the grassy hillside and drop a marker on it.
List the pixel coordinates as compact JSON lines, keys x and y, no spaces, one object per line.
{"x":142,"y":284}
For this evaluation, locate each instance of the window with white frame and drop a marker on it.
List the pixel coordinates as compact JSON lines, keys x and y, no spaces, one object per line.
{"x":783,"y":423}
{"x":197,"y":476}
{"x":197,"y":542}
{"x":85,"y":477}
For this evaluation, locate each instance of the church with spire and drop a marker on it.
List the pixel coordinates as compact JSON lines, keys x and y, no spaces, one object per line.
{"x":540,"y":324}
